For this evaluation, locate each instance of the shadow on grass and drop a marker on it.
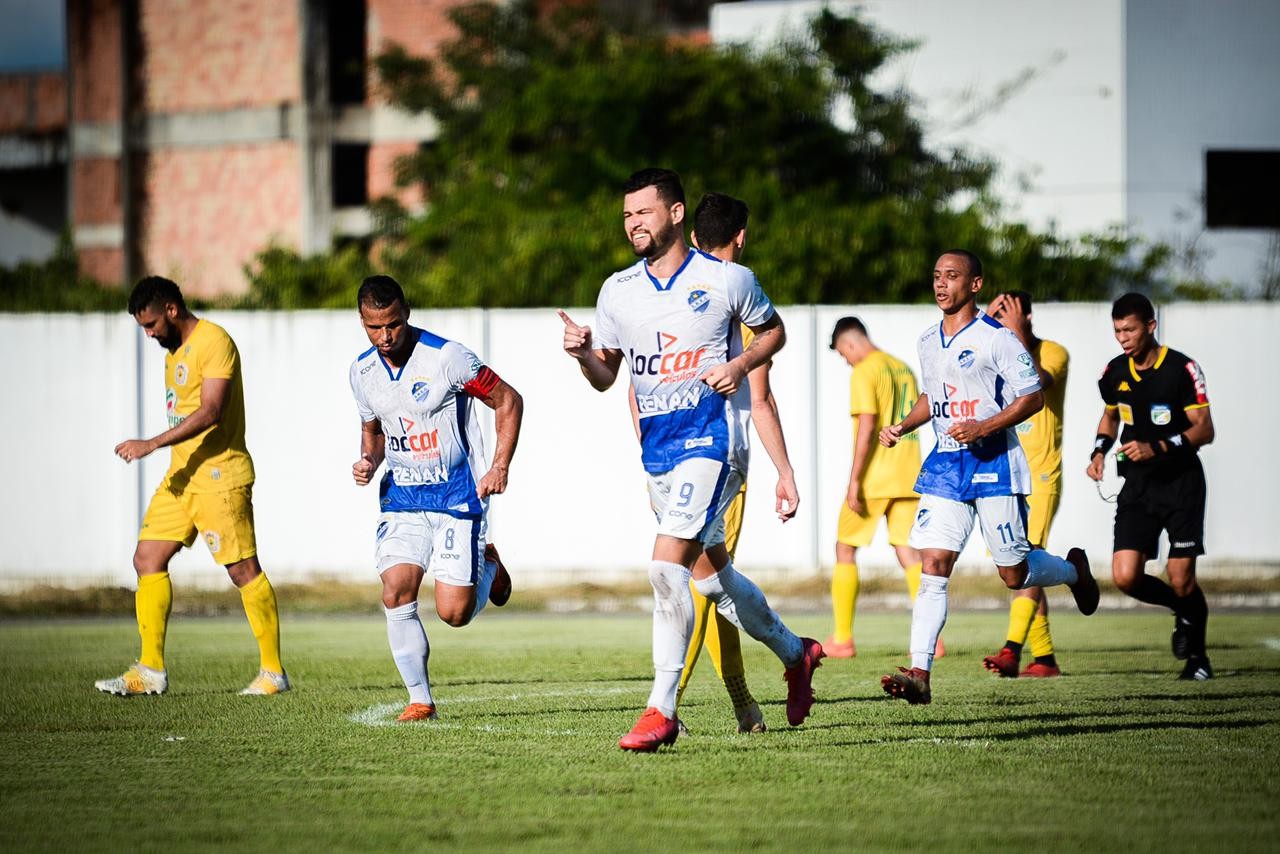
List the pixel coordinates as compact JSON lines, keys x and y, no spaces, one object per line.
{"x":1065,"y":730}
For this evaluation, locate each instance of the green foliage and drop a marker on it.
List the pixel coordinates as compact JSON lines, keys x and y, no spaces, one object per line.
{"x":55,"y":285}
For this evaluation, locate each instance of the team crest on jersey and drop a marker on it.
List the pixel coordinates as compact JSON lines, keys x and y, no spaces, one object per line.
{"x":1161,"y":415}
{"x":965,"y":359}
{"x":180,"y":373}
{"x":698,"y":300}
{"x":420,"y":391}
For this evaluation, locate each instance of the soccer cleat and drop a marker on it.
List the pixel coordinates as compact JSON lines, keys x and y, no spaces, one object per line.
{"x":1198,"y":669}
{"x":1085,"y":590}
{"x":800,"y":681}
{"x":138,"y":679}
{"x":750,"y":719}
{"x":1181,"y":640}
{"x":1003,"y":663}
{"x":833,"y":648}
{"x":910,"y":685}
{"x":1038,"y":670}
{"x":267,"y":683}
{"x":650,"y":732}
{"x":500,"y":588}
{"x":417,"y":712}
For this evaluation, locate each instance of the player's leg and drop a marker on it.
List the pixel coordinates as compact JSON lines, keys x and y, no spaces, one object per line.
{"x":900,"y":516}
{"x":853,"y":531}
{"x":1043,"y":507}
{"x":1136,"y":539}
{"x":702,"y":610}
{"x":404,"y":548}
{"x":1028,"y":605}
{"x":1004,"y":527}
{"x":166,"y":528}
{"x":463,"y":577}
{"x":1184,"y":520}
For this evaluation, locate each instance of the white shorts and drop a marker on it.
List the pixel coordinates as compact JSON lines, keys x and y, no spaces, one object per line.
{"x":942,"y":523}
{"x":689,"y":500}
{"x":451,"y":549}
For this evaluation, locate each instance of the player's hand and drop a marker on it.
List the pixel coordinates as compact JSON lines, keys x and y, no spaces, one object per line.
{"x":493,"y":483}
{"x":966,"y":432}
{"x":725,"y":378}
{"x":854,"y":499}
{"x":134,"y":449}
{"x":363,"y":470}
{"x":997,"y":307}
{"x":1095,"y":467}
{"x":890,"y":435}
{"x":788,"y":497}
{"x":1138,"y":452}
{"x":577,"y":339}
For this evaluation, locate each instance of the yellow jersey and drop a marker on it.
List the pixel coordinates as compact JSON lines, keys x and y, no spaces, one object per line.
{"x":884,"y":386}
{"x":1041,"y":434}
{"x":216,"y":459}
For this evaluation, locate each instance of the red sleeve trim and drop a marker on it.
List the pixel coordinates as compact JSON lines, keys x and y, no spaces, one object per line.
{"x":483,"y":384}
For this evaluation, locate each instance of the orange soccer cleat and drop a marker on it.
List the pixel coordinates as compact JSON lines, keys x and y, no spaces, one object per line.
{"x":417,"y":712}
{"x":653,"y":730}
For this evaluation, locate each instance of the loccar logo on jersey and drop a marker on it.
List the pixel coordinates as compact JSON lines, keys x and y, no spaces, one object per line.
{"x":427,"y":443}
{"x":949,"y":408}
{"x":668,"y":362}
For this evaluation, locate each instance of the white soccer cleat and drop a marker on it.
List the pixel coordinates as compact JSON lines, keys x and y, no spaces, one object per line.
{"x":267,"y":683}
{"x":138,"y":679}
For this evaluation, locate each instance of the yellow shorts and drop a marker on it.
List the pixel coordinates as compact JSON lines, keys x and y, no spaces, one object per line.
{"x":1042,"y":506}
{"x":859,"y":530}
{"x":223,"y":519}
{"x":733,"y":520}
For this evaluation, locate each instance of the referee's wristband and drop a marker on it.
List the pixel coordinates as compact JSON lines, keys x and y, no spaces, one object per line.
{"x":1176,"y":444}
{"x":1101,"y":444}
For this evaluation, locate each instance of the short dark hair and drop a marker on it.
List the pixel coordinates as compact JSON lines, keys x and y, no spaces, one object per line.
{"x":666,"y":182}
{"x":975,"y":263}
{"x":380,"y":292}
{"x":1133,"y":304}
{"x":718,"y":218}
{"x":155,"y":290}
{"x":845,"y":324}
{"x":1022,"y":297}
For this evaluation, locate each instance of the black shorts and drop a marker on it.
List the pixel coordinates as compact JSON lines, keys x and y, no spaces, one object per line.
{"x":1149,"y":504}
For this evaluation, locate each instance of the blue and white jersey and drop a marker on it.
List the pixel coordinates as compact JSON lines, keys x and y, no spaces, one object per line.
{"x":434,"y":446}
{"x":671,"y":333}
{"x":970,"y":377}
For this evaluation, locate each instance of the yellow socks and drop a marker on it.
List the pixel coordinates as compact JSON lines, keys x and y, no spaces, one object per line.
{"x":152,"y":603}
{"x":1039,"y":639}
{"x":260,"y":607}
{"x":844,"y":600}
{"x":701,"y":613}
{"x":913,"y":573}
{"x":1021,"y":610}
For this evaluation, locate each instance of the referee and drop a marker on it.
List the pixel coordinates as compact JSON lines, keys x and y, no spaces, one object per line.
{"x":1155,"y":398}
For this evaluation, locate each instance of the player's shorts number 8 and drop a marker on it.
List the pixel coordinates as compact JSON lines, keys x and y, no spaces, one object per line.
{"x":448,"y":539}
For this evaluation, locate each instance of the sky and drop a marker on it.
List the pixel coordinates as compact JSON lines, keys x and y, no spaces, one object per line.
{"x":31,"y":35}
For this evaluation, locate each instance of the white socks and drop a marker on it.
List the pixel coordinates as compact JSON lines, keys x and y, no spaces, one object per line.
{"x":742,"y":603}
{"x":410,"y":650}
{"x":927,"y":619}
{"x":1046,"y":570}
{"x":672,"y":627}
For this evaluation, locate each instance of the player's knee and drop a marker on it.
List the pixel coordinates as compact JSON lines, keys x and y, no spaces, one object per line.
{"x":456,"y":617}
{"x":1125,"y":581}
{"x":1014,"y":577}
{"x":1184,"y":586}
{"x":394,"y":597}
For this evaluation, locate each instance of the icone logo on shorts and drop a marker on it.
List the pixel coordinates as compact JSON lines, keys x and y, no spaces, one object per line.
{"x":427,"y":442}
{"x":954,"y":408}
{"x":668,"y":361}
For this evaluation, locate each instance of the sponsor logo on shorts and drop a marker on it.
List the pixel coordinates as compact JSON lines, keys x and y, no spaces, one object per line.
{"x":382,"y":530}
{"x":698,"y":300}
{"x":679,"y":514}
{"x":965,"y":358}
{"x":1184,"y":544}
{"x":922,"y":518}
{"x":213,"y":541}
{"x":180,"y":373}
{"x":1161,"y":415}
{"x":703,"y":442}
{"x":420,"y":391}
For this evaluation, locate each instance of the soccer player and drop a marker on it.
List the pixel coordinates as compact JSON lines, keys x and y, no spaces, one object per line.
{"x":720,"y":229}
{"x":1041,"y":440}
{"x":207,"y":490}
{"x":882,"y":390}
{"x":979,"y":384}
{"x":674,"y":317}
{"x":415,"y":392}
{"x":1156,"y":398}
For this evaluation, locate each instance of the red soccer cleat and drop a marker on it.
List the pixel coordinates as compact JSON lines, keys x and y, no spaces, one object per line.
{"x":910,"y":685}
{"x":651,"y":732}
{"x":500,"y":589}
{"x":833,"y":648}
{"x":800,"y":681}
{"x":1036,"y":670}
{"x":1003,"y":663}
{"x":417,"y":712}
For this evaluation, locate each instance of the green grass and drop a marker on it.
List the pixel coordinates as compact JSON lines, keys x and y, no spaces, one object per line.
{"x":1117,"y":755}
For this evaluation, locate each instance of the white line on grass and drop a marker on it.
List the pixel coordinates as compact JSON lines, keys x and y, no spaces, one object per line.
{"x":383,"y":714}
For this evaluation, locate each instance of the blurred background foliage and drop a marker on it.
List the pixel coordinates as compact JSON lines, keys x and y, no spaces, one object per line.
{"x":543,"y":115}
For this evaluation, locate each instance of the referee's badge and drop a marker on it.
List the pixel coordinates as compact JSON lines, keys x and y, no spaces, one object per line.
{"x":1161,"y":415}
{"x":1126,"y":413}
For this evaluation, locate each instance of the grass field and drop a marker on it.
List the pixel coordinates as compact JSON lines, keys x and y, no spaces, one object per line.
{"x":1116,"y":755}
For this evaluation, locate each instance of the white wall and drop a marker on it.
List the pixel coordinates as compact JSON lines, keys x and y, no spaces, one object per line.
{"x":576,"y":507}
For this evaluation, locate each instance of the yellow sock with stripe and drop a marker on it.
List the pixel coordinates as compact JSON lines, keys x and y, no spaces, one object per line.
{"x":701,"y":616}
{"x":264,"y":618}
{"x":1038,"y":639}
{"x":844,"y":600}
{"x":152,"y":604}
{"x":1021,"y":610}
{"x":913,"y":573}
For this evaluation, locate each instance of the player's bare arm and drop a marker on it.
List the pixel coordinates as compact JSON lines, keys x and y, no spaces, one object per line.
{"x":508,"y":413}
{"x":373,"y":444}
{"x":1199,"y":433}
{"x":918,"y":415}
{"x":764,"y":415}
{"x":1108,"y":429}
{"x":861,"y":456}
{"x":213,"y":397}
{"x":769,"y":338}
{"x":1018,"y":410}
{"x":600,"y":367}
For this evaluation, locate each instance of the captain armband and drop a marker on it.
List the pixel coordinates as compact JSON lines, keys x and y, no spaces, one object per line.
{"x":1101,"y":444}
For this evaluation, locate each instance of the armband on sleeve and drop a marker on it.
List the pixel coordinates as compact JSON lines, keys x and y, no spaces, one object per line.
{"x":1102,"y":444}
